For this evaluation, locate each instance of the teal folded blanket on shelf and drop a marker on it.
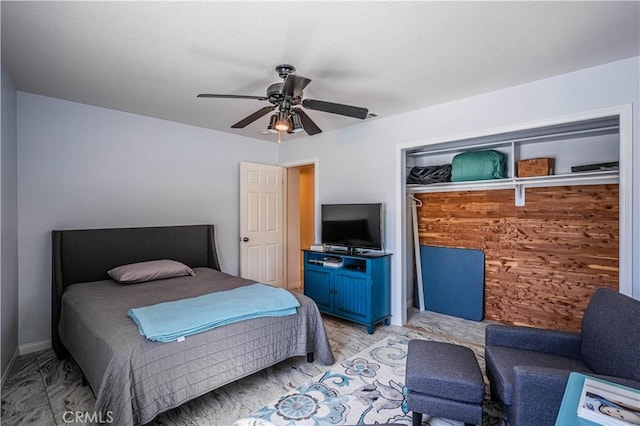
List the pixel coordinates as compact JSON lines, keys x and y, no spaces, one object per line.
{"x":169,"y":321}
{"x":479,"y":165}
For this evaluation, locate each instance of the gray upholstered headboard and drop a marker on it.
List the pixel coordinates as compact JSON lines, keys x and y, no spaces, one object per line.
{"x":85,"y":255}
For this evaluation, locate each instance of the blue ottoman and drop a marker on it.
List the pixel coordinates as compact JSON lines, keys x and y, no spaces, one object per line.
{"x":444,"y":380}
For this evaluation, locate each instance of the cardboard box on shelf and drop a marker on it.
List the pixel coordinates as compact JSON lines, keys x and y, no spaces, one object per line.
{"x":535,"y":167}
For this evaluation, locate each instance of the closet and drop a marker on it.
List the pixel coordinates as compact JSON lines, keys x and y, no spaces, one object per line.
{"x":548,"y":241}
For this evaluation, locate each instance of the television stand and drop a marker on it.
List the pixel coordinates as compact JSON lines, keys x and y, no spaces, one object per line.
{"x":355,"y":287}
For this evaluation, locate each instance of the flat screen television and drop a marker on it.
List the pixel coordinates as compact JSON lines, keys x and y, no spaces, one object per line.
{"x":353,"y":226}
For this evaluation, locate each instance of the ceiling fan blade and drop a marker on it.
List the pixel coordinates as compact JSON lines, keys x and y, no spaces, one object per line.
{"x":294,"y":85}
{"x":253,"y":117}
{"x":307,"y":123}
{"x":348,"y":110}
{"x":209,"y":95}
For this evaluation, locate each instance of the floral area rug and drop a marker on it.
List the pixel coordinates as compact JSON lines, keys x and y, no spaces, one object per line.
{"x":365,"y":389}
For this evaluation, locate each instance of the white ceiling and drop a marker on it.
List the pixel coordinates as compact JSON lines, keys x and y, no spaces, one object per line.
{"x":153,"y":58}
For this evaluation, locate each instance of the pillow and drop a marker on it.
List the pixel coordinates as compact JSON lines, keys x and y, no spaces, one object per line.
{"x":149,"y":271}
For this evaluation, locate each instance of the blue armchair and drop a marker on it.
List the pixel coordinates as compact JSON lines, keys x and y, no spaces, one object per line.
{"x":528,"y":368}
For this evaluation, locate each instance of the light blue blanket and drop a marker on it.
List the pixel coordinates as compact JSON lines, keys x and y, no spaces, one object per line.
{"x":169,"y":321}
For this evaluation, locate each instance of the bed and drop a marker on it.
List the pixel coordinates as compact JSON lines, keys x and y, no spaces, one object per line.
{"x":135,"y":379}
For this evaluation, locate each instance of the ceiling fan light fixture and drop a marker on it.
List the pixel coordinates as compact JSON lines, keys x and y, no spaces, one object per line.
{"x":296,"y":123}
{"x":282,"y":126}
{"x":271,"y":128}
{"x":282,"y":123}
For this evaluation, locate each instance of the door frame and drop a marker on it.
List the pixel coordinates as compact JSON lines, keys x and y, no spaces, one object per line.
{"x":315,"y":161}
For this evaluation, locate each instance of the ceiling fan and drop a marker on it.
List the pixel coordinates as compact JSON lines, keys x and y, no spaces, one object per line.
{"x":287,"y":98}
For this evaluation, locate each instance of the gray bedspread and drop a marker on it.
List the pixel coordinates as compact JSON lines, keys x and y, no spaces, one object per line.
{"x":137,"y":379}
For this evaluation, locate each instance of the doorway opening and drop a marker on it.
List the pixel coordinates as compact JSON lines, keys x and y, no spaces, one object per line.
{"x":300,"y":221}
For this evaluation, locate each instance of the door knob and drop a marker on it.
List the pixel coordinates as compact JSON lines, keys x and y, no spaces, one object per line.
{"x":245,"y":239}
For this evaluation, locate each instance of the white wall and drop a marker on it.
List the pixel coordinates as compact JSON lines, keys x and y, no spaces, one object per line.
{"x":9,"y":223}
{"x":358,"y":163}
{"x":81,"y":167}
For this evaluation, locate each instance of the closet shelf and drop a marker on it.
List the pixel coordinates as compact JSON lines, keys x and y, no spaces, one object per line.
{"x":579,"y":178}
{"x":476,"y":185}
{"x":582,"y":178}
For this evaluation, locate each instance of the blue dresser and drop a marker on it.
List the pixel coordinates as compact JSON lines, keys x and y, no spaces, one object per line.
{"x":356,"y":287}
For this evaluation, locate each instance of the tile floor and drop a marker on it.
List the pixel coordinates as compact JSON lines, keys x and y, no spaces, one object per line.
{"x":40,"y":389}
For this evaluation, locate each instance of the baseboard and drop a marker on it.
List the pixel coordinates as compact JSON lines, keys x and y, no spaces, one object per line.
{"x":9,"y":366}
{"x":28,"y":348}
{"x":410,"y":302}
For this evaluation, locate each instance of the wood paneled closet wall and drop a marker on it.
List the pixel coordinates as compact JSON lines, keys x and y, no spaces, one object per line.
{"x":542,"y":260}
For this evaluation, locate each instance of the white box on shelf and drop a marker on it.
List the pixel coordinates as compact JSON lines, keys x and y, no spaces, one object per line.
{"x":334,"y":262}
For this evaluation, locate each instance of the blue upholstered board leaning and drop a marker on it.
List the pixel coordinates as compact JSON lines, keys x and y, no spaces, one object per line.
{"x":453,"y":281}
{"x":169,"y":321}
{"x":528,"y":368}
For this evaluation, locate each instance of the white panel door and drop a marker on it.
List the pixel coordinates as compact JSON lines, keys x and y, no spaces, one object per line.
{"x":261,"y":232}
